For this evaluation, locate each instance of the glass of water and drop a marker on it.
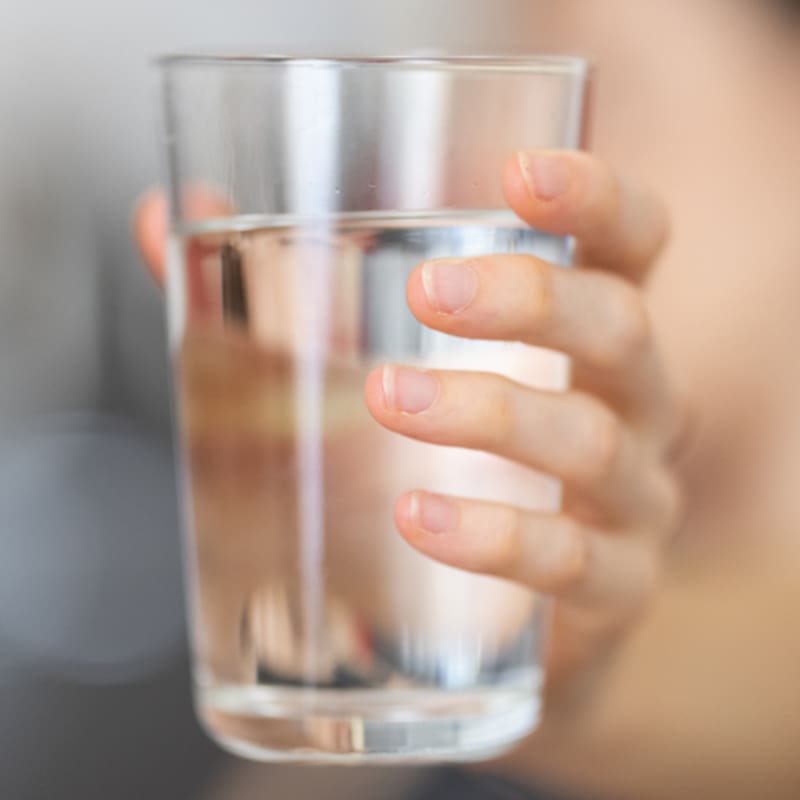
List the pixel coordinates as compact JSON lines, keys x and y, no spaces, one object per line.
{"x":303,"y":193}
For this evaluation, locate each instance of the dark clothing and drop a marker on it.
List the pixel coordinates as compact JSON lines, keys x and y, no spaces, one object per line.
{"x":453,"y":784}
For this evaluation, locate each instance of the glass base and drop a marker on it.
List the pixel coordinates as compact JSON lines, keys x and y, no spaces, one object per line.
{"x":374,"y":726}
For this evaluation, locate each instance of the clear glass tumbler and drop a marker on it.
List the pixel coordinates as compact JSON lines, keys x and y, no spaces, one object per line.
{"x":303,"y":193}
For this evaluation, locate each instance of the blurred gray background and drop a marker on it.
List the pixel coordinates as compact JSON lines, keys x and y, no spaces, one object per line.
{"x":94,"y":692}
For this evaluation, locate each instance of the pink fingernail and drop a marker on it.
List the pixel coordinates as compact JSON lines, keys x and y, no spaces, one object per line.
{"x":433,"y":513}
{"x":450,"y":286}
{"x":409,"y":390}
{"x":546,"y":176}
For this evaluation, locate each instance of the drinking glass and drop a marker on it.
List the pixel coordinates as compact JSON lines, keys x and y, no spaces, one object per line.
{"x":303,"y":192}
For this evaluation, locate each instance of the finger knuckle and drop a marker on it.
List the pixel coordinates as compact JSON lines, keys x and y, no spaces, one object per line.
{"x":600,"y":198}
{"x":504,"y":555}
{"x":629,"y":331}
{"x":574,"y":566}
{"x":499,"y":418}
{"x":601,"y":441}
{"x":645,"y":220}
{"x":542,"y":302}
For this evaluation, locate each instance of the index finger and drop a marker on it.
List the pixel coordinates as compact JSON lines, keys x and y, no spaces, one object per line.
{"x":618,"y":226}
{"x":150,"y":222}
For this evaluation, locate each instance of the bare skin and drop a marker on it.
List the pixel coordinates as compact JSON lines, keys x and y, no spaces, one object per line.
{"x":606,"y":440}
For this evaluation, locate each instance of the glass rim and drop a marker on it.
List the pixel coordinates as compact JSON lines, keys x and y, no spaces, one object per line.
{"x":531,"y":64}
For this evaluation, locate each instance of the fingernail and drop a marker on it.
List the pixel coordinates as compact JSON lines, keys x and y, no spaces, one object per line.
{"x":450,"y":286}
{"x":546,"y":176}
{"x":409,"y":390}
{"x":433,"y":513}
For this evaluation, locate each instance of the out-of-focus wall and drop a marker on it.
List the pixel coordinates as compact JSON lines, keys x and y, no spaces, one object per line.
{"x":93,"y":681}
{"x":78,"y":322}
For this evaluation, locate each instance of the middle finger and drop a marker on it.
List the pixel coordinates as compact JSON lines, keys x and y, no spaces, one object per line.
{"x":570,"y":436}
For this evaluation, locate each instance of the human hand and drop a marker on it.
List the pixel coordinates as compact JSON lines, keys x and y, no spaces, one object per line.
{"x":607,"y":439}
